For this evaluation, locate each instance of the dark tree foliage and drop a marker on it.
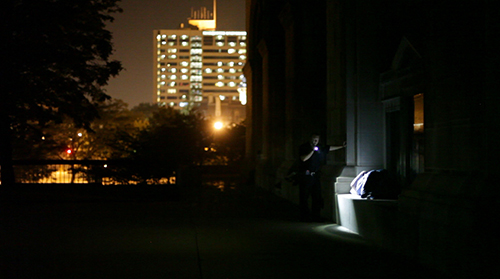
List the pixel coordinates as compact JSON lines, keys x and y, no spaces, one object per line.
{"x":55,"y":59}
{"x":229,"y":144}
{"x":169,"y":141}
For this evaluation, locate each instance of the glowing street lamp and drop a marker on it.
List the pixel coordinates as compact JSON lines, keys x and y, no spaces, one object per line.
{"x":218,"y":125}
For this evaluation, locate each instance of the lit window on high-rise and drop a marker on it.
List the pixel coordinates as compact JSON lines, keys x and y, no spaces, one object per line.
{"x":219,"y":84}
{"x":173,"y":77}
{"x":184,"y":70}
{"x":220,"y":44}
{"x":220,"y":70}
{"x":173,"y":83}
{"x":220,"y":77}
{"x":184,"y":63}
{"x":231,"y":51}
{"x":172,"y":91}
{"x":184,"y":37}
{"x":184,"y":77}
{"x":208,"y":70}
{"x":240,"y":51}
{"x":232,"y":70}
{"x":172,"y":50}
{"x":243,"y":57}
{"x":184,"y":43}
{"x":173,"y":56}
{"x":232,"y":44}
{"x":232,"y":84}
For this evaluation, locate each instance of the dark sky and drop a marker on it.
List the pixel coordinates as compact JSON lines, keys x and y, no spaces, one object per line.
{"x":133,"y":39}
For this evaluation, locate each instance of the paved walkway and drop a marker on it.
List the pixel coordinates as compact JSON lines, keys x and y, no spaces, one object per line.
{"x":218,"y":230}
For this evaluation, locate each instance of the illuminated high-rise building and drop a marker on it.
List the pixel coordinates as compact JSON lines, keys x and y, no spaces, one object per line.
{"x":201,"y":68}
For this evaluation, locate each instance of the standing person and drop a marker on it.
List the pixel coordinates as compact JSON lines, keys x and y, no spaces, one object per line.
{"x":312,"y":157}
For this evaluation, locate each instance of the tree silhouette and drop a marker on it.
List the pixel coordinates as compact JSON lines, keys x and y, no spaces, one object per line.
{"x":169,"y":141}
{"x":55,"y":59}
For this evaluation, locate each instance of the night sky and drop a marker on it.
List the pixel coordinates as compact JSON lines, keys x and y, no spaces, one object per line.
{"x":132,"y":38}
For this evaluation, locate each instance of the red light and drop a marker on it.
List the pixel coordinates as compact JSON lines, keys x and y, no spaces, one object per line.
{"x":69,"y":151}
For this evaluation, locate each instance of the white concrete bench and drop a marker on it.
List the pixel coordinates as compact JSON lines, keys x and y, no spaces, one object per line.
{"x":375,"y":220}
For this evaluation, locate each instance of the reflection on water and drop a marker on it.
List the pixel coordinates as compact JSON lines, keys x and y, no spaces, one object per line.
{"x":222,"y":185}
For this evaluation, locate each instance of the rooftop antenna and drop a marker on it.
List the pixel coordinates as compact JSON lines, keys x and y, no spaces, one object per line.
{"x":202,"y":19}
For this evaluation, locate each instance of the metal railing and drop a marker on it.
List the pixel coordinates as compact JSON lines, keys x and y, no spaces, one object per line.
{"x":102,"y":172}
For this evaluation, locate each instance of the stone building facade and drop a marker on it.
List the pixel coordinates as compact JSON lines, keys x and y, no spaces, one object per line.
{"x":412,"y":87}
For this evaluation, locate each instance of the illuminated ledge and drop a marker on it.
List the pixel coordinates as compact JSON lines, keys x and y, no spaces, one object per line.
{"x":375,"y":220}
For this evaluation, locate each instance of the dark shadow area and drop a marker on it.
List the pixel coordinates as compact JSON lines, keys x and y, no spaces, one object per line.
{"x":219,"y":228}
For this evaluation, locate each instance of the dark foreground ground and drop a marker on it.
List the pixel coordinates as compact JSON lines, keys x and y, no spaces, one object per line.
{"x":221,"y":229}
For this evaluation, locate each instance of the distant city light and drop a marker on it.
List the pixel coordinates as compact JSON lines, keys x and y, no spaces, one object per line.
{"x":227,"y":33}
{"x":218,"y":125}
